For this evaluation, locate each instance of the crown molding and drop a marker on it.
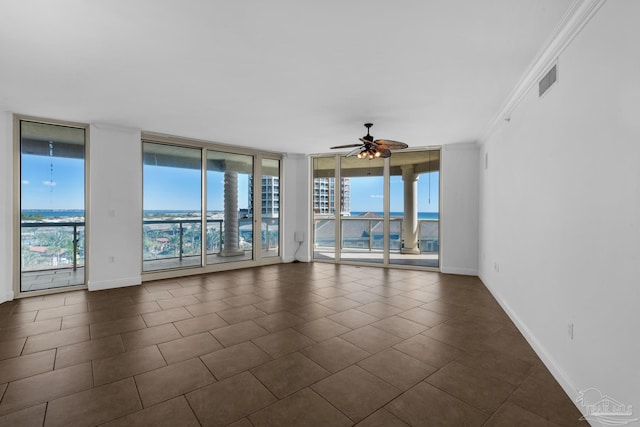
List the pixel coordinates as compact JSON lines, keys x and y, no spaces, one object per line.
{"x":577,"y":16}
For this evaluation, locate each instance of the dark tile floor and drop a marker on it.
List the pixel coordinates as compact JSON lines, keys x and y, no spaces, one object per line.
{"x":283,"y":345}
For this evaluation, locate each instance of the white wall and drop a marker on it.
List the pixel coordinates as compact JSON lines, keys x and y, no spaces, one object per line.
{"x":296,"y":206}
{"x":560,"y":211}
{"x":459,"y":209}
{"x":115,"y":204}
{"x":6,"y":204}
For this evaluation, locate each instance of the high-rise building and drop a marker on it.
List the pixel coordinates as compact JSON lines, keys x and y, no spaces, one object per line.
{"x":324,"y":194}
{"x":270,"y":196}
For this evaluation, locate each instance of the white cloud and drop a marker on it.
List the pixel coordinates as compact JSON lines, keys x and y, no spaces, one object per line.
{"x":376,"y":196}
{"x":25,"y":182}
{"x":49,"y":183}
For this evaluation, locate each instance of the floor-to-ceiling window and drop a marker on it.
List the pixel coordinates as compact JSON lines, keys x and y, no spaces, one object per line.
{"x":270,"y":211}
{"x":52,"y":204}
{"x":414,"y":208}
{"x":389,"y":209}
{"x":362,"y":224}
{"x":172,"y":206}
{"x":323,"y":193}
{"x":203,"y":209}
{"x":229,"y":215}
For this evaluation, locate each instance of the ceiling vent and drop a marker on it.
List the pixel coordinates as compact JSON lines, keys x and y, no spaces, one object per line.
{"x":548,"y":80}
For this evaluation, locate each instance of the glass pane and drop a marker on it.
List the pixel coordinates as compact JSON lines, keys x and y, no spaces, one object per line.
{"x":270,"y":229}
{"x":229,"y":217}
{"x":172,"y":207}
{"x":52,"y":206}
{"x":324,"y":195}
{"x":362,"y":213}
{"x":414,"y":208}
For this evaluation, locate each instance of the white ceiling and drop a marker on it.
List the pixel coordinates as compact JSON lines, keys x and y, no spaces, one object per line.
{"x":281,"y":75}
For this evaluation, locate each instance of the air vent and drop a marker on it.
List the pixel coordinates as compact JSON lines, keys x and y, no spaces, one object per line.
{"x":548,"y":80}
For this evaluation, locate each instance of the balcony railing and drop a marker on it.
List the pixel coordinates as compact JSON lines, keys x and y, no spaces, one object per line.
{"x":179,"y":238}
{"x":52,"y":245}
{"x":368,"y":233}
{"x":60,"y":245}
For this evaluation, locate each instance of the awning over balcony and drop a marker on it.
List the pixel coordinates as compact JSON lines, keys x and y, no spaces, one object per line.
{"x":423,"y":162}
{"x":43,"y":139}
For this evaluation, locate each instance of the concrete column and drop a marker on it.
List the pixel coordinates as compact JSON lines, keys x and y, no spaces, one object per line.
{"x":410,"y":232}
{"x":231,"y":240}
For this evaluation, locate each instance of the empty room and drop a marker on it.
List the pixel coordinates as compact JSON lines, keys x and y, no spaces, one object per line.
{"x":284,"y":213}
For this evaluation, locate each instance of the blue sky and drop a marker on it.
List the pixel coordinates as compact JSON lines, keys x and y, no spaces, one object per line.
{"x":44,"y":187}
{"x":171,"y":188}
{"x":366,"y":193}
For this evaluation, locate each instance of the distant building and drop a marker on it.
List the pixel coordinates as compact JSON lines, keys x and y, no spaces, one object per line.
{"x":270,"y":196}
{"x":324,"y":194}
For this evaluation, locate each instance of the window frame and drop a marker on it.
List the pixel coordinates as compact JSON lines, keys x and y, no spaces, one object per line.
{"x":205,"y":146}
{"x":17,"y":201}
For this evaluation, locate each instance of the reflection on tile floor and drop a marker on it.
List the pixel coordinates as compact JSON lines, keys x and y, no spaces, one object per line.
{"x":281,"y":345}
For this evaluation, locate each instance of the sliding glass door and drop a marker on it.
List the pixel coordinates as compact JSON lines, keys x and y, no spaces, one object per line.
{"x":388,"y":209}
{"x":270,"y":223}
{"x":52,"y":205}
{"x":362,"y":214}
{"x":229,"y":216}
{"x":172,"y":207}
{"x":323,"y":190}
{"x":414,"y":208}
{"x":202,"y":207}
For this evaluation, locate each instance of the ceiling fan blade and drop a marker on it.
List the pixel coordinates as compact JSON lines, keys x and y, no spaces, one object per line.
{"x":347,"y":146}
{"x":384,"y":153}
{"x":389,"y":144}
{"x":358,"y":150}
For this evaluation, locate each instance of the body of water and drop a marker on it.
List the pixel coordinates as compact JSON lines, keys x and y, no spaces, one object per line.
{"x":61,"y":213}
{"x":421,"y":215}
{"x":53,"y":213}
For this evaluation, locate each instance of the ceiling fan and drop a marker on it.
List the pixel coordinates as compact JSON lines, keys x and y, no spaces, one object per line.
{"x":370,"y":148}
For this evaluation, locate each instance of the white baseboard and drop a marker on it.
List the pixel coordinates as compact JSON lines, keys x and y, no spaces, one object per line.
{"x":289,"y":259}
{"x":558,"y":373}
{"x":459,"y":270}
{"x":112,"y":284}
{"x":6,"y":297}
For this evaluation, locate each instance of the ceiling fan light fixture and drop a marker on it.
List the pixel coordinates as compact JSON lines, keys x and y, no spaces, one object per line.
{"x":370,"y":148}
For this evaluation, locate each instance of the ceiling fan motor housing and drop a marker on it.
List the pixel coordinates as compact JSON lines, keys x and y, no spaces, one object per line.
{"x":368,"y":137}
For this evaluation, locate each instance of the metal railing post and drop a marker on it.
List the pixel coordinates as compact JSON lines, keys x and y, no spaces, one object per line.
{"x":180,"y":225}
{"x":75,"y":247}
{"x":370,"y":237}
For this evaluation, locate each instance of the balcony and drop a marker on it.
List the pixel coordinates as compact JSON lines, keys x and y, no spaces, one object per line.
{"x":51,"y":255}
{"x":176,"y":243}
{"x":363,"y":241}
